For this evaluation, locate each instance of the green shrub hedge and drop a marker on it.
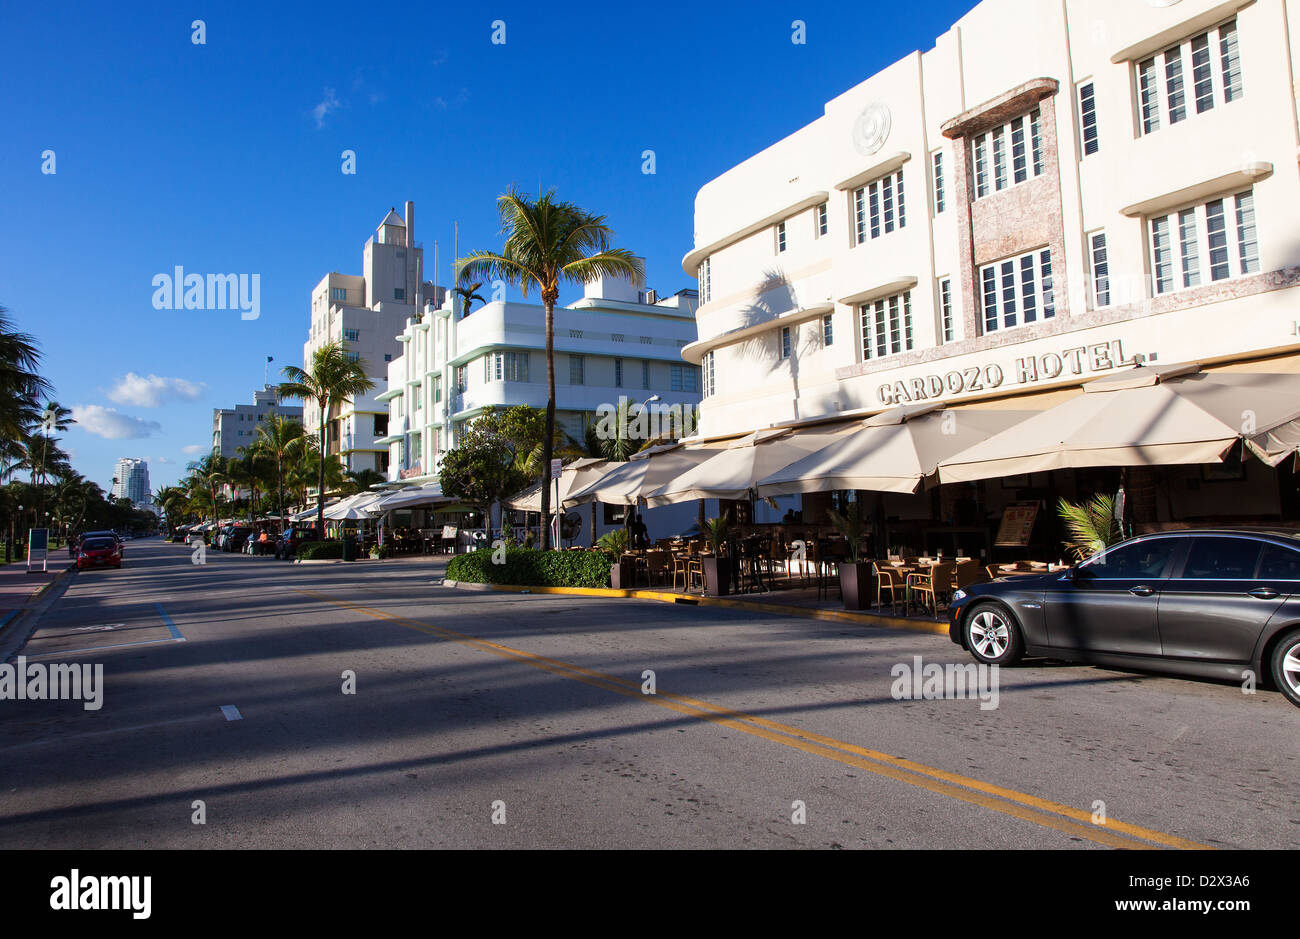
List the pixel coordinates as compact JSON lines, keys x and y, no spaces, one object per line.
{"x":525,"y":567}
{"x":321,"y":551}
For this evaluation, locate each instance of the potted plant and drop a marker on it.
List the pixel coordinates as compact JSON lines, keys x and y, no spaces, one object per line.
{"x":857,"y":579}
{"x":717,"y":568}
{"x":622,"y":570}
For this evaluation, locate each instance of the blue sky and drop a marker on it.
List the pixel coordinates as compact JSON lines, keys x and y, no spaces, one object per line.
{"x":225,"y":158}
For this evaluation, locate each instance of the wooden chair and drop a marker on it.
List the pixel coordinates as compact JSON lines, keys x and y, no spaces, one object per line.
{"x":935,"y":583}
{"x":889,"y":581}
{"x":657,"y":567}
{"x":993,"y":570}
{"x":968,"y":572}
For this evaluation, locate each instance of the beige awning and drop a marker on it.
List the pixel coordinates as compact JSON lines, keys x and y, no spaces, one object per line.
{"x":733,"y":472}
{"x":895,"y":451}
{"x":1145,"y":416}
{"x":575,"y":476}
{"x":646,"y":471}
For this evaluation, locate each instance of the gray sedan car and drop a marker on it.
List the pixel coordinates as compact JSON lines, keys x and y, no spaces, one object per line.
{"x":1214,"y":603}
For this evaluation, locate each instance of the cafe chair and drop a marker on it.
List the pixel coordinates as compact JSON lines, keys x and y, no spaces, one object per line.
{"x":931,"y":586}
{"x":889,"y":581}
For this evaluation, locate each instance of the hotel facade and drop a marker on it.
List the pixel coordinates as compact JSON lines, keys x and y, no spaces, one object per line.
{"x":1057,"y":189}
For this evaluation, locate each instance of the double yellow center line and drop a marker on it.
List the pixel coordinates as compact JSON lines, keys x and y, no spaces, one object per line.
{"x":1064,"y":818}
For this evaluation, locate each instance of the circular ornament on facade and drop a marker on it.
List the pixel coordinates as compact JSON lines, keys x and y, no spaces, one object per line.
{"x":871,"y":129}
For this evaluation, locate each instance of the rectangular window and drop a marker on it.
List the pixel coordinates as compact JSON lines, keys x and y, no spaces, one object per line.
{"x":706,"y":284}
{"x":1088,"y":119}
{"x":577,"y":370}
{"x":683,"y":378}
{"x":878,"y":207}
{"x":1017,"y":291}
{"x":493,"y":366}
{"x":1100,"y":270}
{"x":936,"y":163}
{"x":618,"y":373}
{"x":352,"y":335}
{"x":418,"y":395}
{"x":860,"y":216}
{"x":516,"y":366}
{"x":886,"y":326}
{"x":1204,"y":69}
{"x":437,"y":389}
{"x":339,"y":293}
{"x":706,"y":367}
{"x":785,"y":342}
{"x":780,"y":237}
{"x":645,"y":375}
{"x":828,"y":330}
{"x":399,"y":293}
{"x":1008,"y":155}
{"x":462,"y":378}
{"x":1217,"y":238}
{"x":946,"y":323}
{"x":823,"y":220}
{"x":352,"y":356}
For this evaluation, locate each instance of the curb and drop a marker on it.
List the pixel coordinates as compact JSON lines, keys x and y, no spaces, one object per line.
{"x":14,"y":618}
{"x":838,"y":616}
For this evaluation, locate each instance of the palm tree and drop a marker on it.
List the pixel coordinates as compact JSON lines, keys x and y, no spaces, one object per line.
{"x":467,"y":296}
{"x":53,"y":419}
{"x":549,"y":242}
{"x":277,"y":438}
{"x":361,"y":480}
{"x":20,"y":385}
{"x":306,"y":468}
{"x":331,"y":380}
{"x":1091,"y":525}
{"x":205,"y":480}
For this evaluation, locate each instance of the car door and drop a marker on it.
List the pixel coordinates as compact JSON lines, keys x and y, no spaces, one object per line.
{"x":1109,"y":604}
{"x":1217,"y":604}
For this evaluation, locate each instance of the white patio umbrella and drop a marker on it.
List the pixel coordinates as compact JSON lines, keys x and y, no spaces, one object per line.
{"x":895,"y":451}
{"x":575,"y":476}
{"x":1145,"y":416}
{"x":645,"y":471}
{"x":732,"y":473}
{"x":410,"y":497}
{"x":352,"y":508}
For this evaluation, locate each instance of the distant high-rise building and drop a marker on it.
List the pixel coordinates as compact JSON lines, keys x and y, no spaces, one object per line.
{"x":236,"y":427}
{"x":131,"y":480}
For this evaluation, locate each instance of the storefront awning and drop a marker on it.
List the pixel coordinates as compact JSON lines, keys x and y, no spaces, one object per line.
{"x":576,"y":476}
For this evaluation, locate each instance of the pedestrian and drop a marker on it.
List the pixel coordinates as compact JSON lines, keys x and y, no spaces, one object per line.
{"x":640,"y":534}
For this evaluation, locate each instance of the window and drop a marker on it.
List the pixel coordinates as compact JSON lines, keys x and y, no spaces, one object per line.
{"x":381,"y":425}
{"x":618,"y":373}
{"x":352,"y":356}
{"x":878,"y":207}
{"x":645,"y":375}
{"x":437,"y":389}
{"x":577,"y":370}
{"x":505,"y":366}
{"x":683,"y":378}
{"x":1088,"y":119}
{"x":1279,"y":563}
{"x":706,"y":282}
{"x":575,"y":334}
{"x":1221,"y":559}
{"x":706,"y":366}
{"x":947,"y":326}
{"x":1204,"y":243}
{"x":1130,"y":561}
{"x":785,"y":342}
{"x":339,"y":293}
{"x":399,"y":293}
{"x":1100,"y":270}
{"x":418,"y":395}
{"x":462,"y":378}
{"x":936,"y":164}
{"x":1017,"y":291}
{"x":388,"y":357}
{"x":352,"y":335}
{"x":887,"y":326}
{"x":823,"y":220}
{"x":493,"y":364}
{"x":828,"y":330}
{"x":1191,"y":77}
{"x":1009,"y":155}
{"x":780,"y":237}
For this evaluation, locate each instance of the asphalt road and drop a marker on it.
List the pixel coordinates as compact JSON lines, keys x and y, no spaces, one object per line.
{"x":495,"y":720}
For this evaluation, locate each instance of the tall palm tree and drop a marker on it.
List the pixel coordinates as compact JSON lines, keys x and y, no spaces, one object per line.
{"x":549,"y":242}
{"x":306,"y":466}
{"x":331,"y":380}
{"x":361,"y":480}
{"x":54,"y":418}
{"x":277,"y":438}
{"x":21,"y":386}
{"x":206,"y":479}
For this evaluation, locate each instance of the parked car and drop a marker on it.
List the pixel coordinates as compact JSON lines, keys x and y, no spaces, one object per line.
{"x":99,"y":552}
{"x":235,"y":537}
{"x":1212,"y":603}
{"x":286,"y":546}
{"x":219,"y":537}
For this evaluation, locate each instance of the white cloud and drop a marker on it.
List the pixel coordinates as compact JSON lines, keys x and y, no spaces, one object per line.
{"x":112,"y":424}
{"x":151,"y":391}
{"x":329,"y":103}
{"x":194,"y":448}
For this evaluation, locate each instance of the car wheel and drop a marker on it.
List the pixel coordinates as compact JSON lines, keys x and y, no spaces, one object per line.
{"x":992,"y":635}
{"x":1285,"y":666}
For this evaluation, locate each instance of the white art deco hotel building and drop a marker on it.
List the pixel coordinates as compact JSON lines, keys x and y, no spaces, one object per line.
{"x":1056,"y":189}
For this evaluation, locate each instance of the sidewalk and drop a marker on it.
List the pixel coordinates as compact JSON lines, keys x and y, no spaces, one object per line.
{"x":18,"y":588}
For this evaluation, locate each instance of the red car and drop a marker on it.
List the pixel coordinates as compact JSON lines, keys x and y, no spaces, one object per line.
{"x":99,"y":552}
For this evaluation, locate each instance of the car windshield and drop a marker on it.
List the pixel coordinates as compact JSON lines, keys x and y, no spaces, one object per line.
{"x":97,"y":544}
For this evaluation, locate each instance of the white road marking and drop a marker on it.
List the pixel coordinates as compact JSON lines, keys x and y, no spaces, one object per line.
{"x":94,"y":629}
{"x":116,"y":645}
{"x":231,"y":712}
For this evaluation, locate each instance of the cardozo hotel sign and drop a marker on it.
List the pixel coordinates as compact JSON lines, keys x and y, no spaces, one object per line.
{"x":1012,"y":370}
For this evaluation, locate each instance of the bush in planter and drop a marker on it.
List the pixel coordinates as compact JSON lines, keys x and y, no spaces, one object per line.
{"x":525,"y":567}
{"x":378,"y":552}
{"x":856,"y":575}
{"x":321,"y":551}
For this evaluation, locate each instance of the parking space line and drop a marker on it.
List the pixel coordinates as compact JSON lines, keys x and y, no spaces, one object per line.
{"x":173,"y":631}
{"x":171,"y":627}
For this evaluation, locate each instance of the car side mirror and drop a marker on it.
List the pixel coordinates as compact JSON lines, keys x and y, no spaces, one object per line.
{"x":1070,"y":574}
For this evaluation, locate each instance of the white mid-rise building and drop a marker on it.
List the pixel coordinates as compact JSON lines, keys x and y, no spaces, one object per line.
{"x":365,"y":313}
{"x":131,"y":480}
{"x":237,"y":427}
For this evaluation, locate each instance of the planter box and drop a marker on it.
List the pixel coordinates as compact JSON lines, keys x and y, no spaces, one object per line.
{"x":857,"y":584}
{"x":718,"y":575}
{"x":622,"y":576}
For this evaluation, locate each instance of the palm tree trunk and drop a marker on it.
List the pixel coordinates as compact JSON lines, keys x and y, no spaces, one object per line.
{"x":548,"y":441}
{"x":320,"y":490}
